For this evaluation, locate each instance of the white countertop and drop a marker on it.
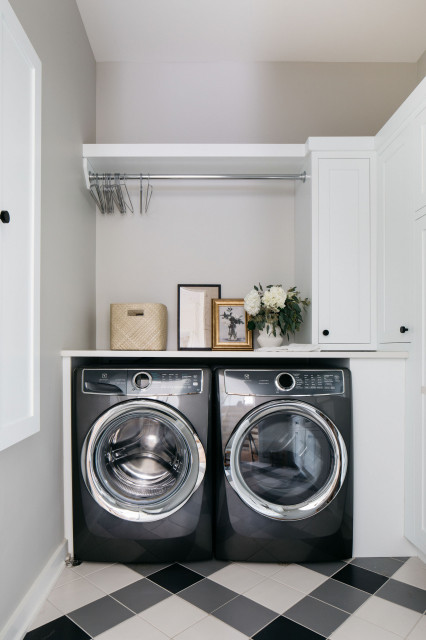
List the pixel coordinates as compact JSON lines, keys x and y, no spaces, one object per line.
{"x":211,"y":355}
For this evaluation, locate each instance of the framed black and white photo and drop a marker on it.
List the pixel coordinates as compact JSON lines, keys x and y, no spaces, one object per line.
{"x":195,"y":315}
{"x":229,"y":320}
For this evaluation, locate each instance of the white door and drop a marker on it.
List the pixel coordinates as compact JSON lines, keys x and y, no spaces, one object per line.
{"x":415,"y":453}
{"x":344,"y":252}
{"x":20,"y":124}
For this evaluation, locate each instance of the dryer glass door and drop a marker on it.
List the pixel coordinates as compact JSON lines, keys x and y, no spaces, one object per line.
{"x":142,"y":460}
{"x":286,"y":460}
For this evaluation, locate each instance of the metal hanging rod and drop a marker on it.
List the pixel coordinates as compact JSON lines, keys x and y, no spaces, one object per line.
{"x":109,"y":190}
{"x":197,"y":176}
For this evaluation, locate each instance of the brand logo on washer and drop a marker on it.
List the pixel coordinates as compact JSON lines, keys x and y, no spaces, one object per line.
{"x":246,"y":376}
{"x":104,"y":376}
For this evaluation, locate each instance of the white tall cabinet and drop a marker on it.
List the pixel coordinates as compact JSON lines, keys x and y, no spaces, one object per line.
{"x":20,"y":128}
{"x":401,"y":146}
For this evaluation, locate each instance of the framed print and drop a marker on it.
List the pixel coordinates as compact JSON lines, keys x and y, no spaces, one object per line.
{"x":195,"y":315}
{"x":229,"y":321}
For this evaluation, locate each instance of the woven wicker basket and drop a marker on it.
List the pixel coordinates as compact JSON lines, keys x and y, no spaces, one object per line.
{"x":139,"y":327}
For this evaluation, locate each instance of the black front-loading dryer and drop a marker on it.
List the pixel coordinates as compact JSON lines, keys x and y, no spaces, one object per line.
{"x":140,"y":464}
{"x":283,"y":473}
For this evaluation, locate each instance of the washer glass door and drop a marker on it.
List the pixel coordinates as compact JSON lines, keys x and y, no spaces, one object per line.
{"x":142,"y":460}
{"x":286,"y":460}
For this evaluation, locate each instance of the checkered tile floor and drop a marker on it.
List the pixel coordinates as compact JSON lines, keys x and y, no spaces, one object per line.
{"x":365,"y":598}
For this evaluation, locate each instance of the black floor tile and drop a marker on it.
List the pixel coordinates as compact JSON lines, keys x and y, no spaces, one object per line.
{"x":175,"y":578}
{"x":360,"y":578}
{"x":283,"y":629}
{"x":60,"y":629}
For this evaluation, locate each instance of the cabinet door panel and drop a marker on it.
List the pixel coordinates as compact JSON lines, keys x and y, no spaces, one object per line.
{"x":344,"y":256}
{"x":394,"y":238}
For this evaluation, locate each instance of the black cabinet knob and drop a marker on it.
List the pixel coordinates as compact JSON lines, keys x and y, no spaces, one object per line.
{"x":5,"y":216}
{"x":403,"y":329}
{"x":325,"y":332}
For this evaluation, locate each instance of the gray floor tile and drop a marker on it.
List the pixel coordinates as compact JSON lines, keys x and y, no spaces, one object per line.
{"x":404,"y":595}
{"x":317,"y":616}
{"x":207,"y":567}
{"x":141,"y":595}
{"x":402,"y":559}
{"x":207,"y":595}
{"x":245,"y":615}
{"x":340,"y":595}
{"x":98,"y":616}
{"x":326,"y":568}
{"x":384,"y":566}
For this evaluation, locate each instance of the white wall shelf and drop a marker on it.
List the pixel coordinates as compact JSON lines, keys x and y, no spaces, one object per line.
{"x":215,"y":355}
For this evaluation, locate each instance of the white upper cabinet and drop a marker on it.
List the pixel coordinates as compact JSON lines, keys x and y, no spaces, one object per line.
{"x":395,"y":170}
{"x":20,"y":125}
{"x":342,"y":271}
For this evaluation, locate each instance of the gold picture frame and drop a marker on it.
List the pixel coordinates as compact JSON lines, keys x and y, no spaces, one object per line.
{"x":229,"y":321}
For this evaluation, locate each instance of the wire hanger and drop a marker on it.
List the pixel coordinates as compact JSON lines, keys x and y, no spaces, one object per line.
{"x":148,"y":195}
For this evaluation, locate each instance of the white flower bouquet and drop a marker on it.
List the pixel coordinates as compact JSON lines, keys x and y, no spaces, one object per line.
{"x":275,"y":308}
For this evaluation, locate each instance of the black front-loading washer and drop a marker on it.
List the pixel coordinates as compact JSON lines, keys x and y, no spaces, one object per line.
{"x":142,"y":484}
{"x":283,"y":472}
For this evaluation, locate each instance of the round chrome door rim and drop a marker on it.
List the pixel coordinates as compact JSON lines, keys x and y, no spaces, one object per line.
{"x":302,"y":510}
{"x":161,"y":508}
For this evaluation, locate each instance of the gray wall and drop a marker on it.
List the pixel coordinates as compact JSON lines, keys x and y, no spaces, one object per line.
{"x":274,"y":102}
{"x":31,"y":471}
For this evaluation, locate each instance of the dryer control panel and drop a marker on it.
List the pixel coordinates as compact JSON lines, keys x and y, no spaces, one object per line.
{"x":292,"y":382}
{"x":142,"y":382}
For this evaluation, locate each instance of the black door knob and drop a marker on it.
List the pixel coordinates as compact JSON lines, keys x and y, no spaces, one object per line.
{"x":403,"y":329}
{"x":5,"y":216}
{"x":325,"y":332}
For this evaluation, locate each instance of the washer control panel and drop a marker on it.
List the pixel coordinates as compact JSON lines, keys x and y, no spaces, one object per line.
{"x":294,"y":382}
{"x":142,"y":382}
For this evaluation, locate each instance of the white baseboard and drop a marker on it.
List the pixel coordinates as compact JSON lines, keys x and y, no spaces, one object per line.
{"x":34,"y":599}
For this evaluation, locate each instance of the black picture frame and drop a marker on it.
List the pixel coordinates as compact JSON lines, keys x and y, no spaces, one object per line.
{"x":194,"y":316}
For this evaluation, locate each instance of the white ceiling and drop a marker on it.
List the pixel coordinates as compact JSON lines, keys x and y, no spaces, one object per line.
{"x":255,"y":30}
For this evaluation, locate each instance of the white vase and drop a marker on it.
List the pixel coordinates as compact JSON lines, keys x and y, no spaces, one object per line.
{"x":266,"y":337}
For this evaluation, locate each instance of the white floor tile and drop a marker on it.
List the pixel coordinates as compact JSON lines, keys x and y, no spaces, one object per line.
{"x":266,"y":569}
{"x":67,"y":575}
{"x":388,"y":615}
{"x":274,"y":595}
{"x":237,"y":578}
{"x":85,"y":568}
{"x":210,"y":628}
{"x":46,"y":614}
{"x":412,"y":572}
{"x":300,"y":578}
{"x":133,"y":629}
{"x":114,"y":577}
{"x":419,"y":631}
{"x":357,"y":629}
{"x":74,"y":594}
{"x":173,"y":615}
